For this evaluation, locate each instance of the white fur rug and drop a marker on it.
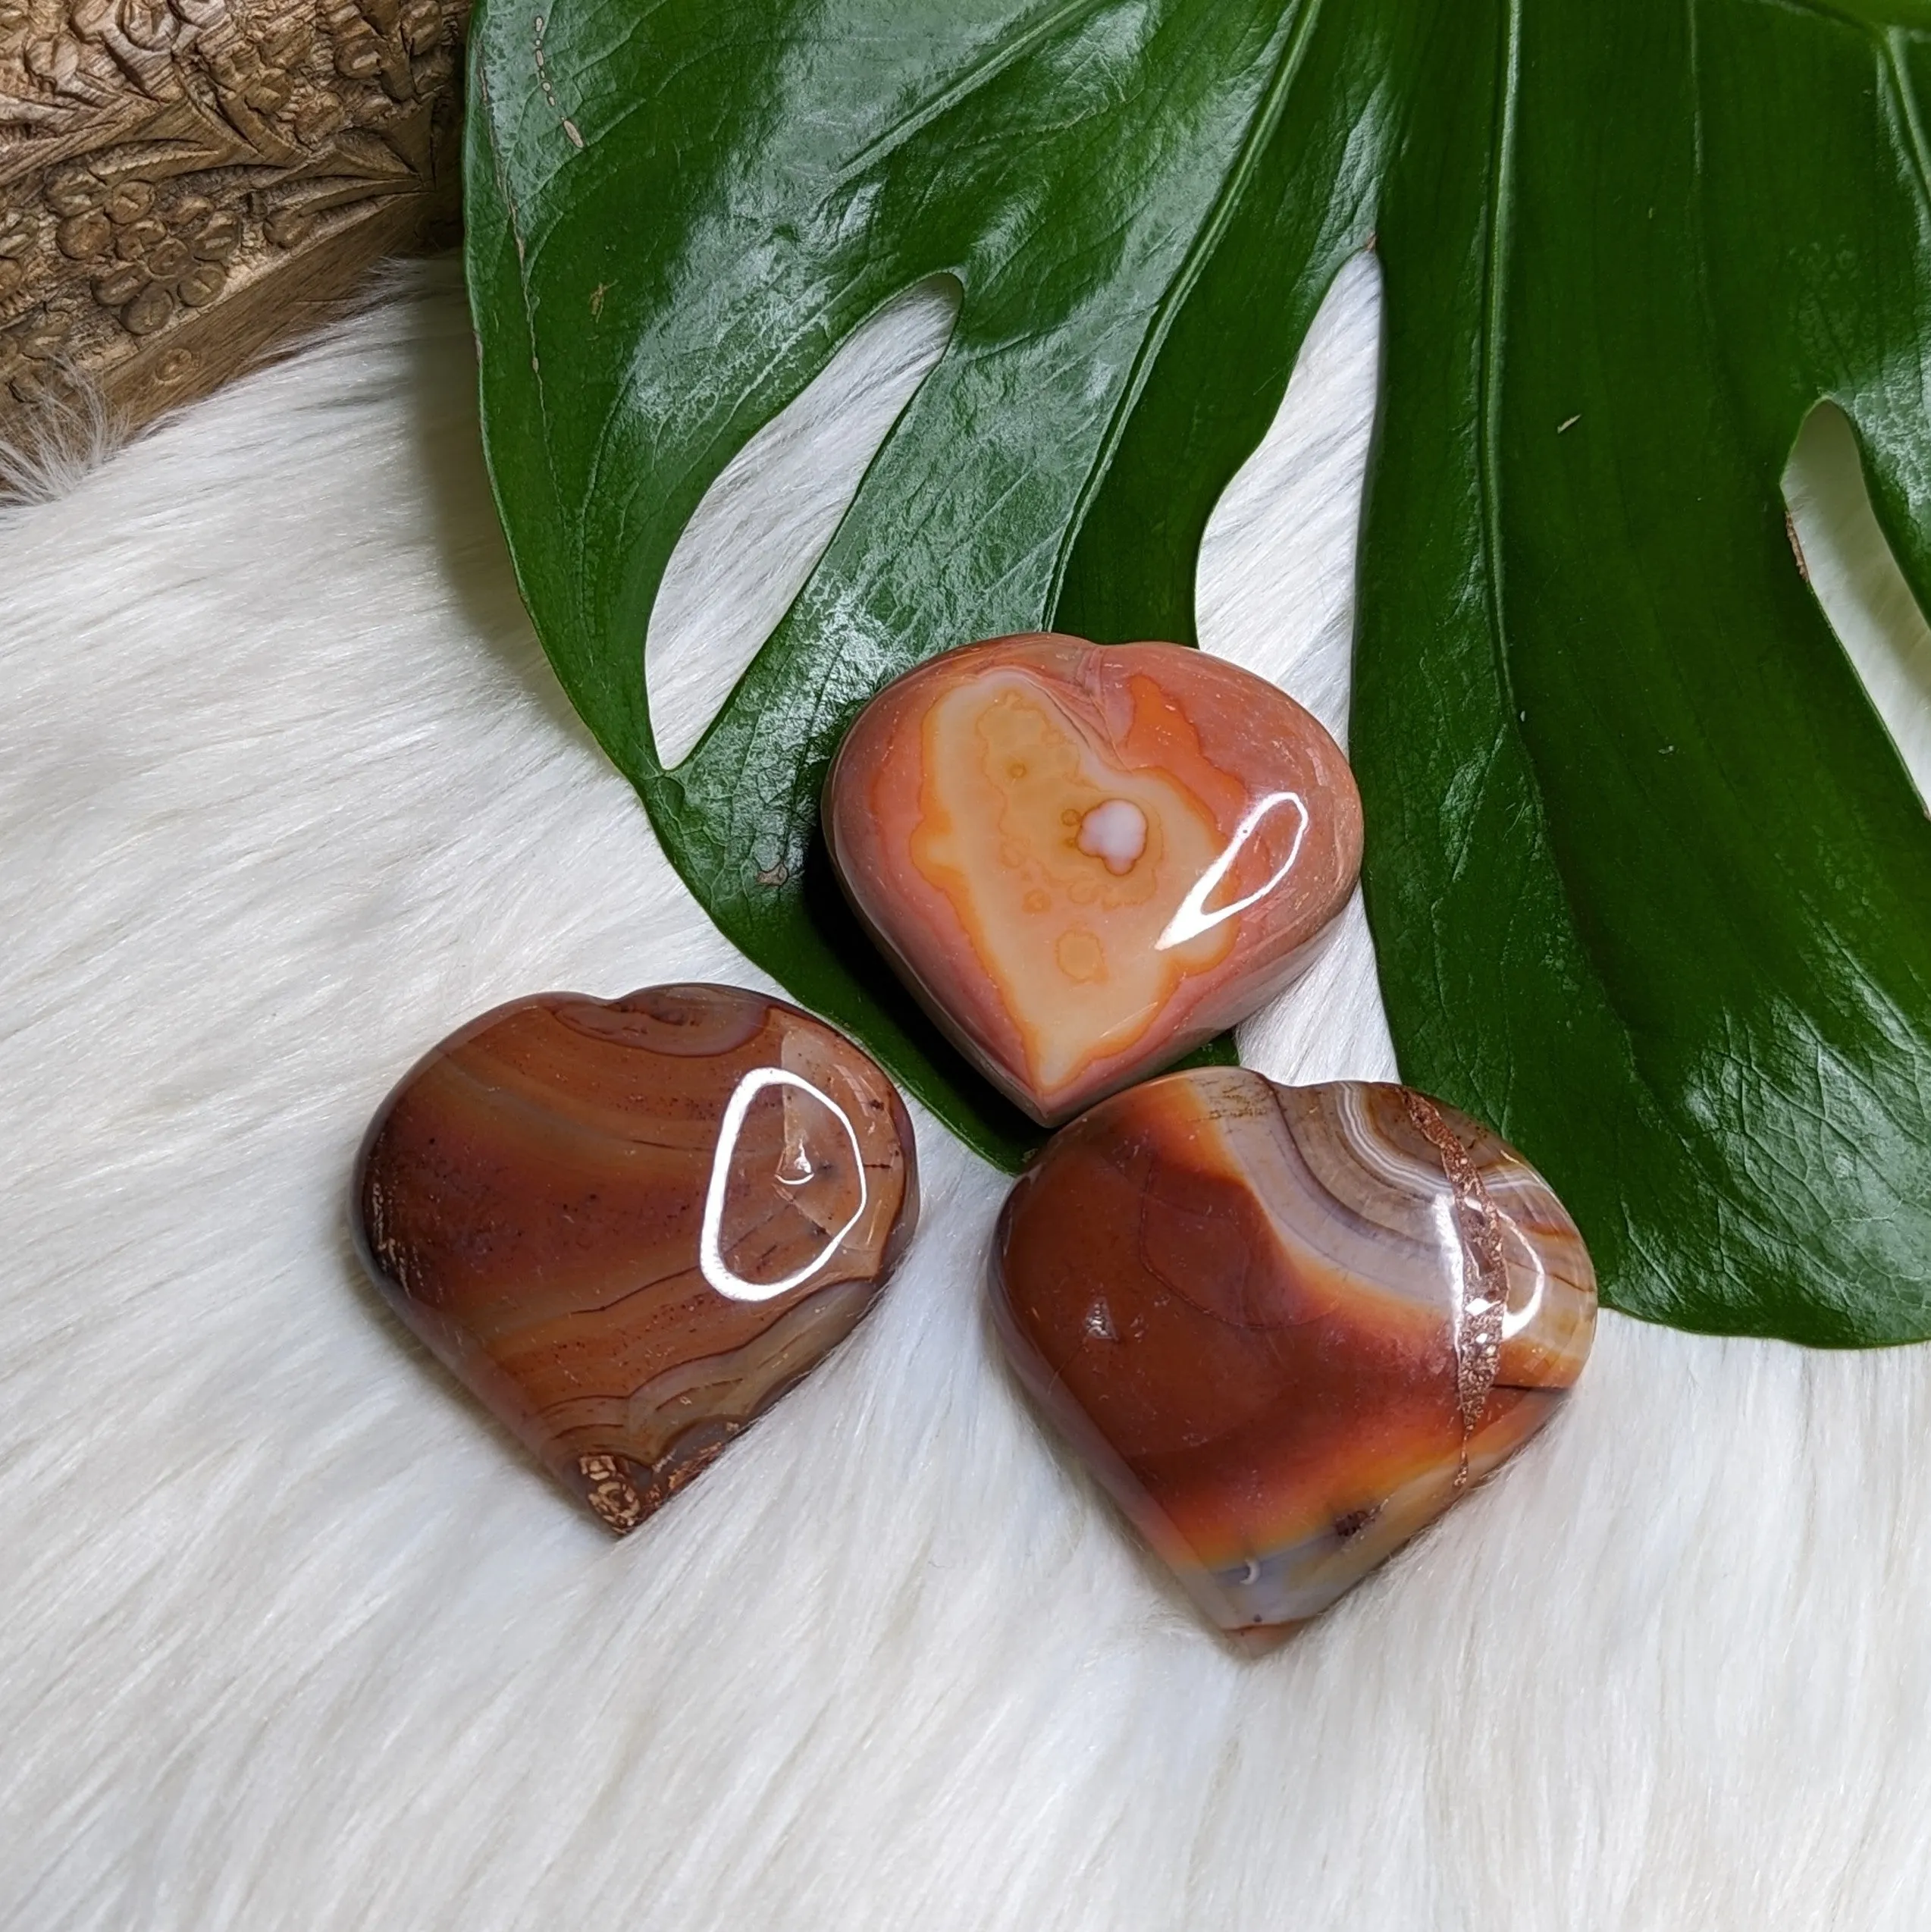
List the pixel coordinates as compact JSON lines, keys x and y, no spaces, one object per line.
{"x":290,"y":1637}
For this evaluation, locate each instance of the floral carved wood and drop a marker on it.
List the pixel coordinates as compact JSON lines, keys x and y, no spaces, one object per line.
{"x":183,"y":180}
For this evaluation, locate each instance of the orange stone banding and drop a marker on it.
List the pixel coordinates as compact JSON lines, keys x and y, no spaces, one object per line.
{"x":1085,"y":860}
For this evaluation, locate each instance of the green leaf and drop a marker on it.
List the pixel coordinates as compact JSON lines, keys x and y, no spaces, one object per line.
{"x":1650,"y":889}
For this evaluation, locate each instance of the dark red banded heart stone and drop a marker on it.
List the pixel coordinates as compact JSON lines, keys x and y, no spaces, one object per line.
{"x":628,"y":1226}
{"x":1286,"y":1327}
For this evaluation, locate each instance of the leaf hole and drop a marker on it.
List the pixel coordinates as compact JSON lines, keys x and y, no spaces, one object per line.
{"x":1274,"y":590}
{"x":1842,"y":548}
{"x":757,"y":535}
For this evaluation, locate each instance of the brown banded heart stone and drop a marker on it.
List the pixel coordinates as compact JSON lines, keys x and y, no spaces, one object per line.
{"x":1286,"y":1327}
{"x":1086,"y":860}
{"x":629,"y":1226}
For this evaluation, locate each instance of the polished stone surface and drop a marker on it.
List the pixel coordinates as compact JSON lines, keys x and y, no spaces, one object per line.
{"x":630,"y":1225}
{"x":1287,"y":1327}
{"x":1086,"y":860}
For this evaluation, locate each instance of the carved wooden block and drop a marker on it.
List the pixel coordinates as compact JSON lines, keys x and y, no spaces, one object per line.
{"x":182,"y":181}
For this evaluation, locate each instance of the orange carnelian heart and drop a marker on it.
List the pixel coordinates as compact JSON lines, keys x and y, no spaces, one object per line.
{"x":1287,"y":1326}
{"x":1085,"y":860}
{"x":629,"y":1226}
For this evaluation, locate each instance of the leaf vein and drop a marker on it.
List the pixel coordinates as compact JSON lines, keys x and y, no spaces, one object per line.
{"x":1192,"y":266}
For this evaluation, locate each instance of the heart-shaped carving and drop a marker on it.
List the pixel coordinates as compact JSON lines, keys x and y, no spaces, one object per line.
{"x":630,"y":1225}
{"x":1086,"y":860}
{"x":1286,"y":1327}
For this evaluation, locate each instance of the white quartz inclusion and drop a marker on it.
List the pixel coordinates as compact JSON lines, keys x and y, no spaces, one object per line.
{"x":1116,"y":832}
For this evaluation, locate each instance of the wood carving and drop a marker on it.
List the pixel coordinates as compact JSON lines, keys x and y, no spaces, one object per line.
{"x":182,"y":181}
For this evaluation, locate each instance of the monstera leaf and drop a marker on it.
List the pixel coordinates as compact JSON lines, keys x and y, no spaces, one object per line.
{"x":1650,"y":888}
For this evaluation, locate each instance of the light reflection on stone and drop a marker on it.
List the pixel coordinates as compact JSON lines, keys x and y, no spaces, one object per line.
{"x":795,"y":1169}
{"x":1194,"y":916}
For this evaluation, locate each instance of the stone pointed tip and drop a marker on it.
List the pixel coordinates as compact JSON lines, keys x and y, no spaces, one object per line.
{"x":1260,"y":1639}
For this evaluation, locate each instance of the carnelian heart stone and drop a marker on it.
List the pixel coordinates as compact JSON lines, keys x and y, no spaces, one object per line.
{"x":630,"y":1225}
{"x":1085,"y":860}
{"x":1287,"y":1326}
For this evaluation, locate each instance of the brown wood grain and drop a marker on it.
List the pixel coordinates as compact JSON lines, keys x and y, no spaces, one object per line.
{"x":185,"y":183}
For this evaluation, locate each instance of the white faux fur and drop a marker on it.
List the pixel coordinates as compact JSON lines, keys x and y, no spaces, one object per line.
{"x":290,"y":1637}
